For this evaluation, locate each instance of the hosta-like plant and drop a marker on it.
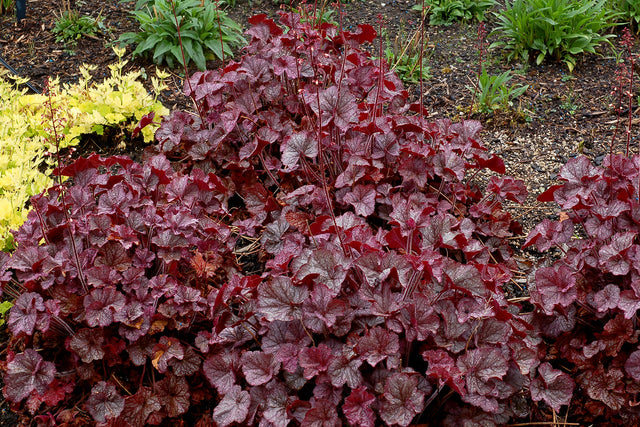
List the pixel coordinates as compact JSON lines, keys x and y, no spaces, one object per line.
{"x":558,"y":29}
{"x":588,"y":299}
{"x":322,"y":257}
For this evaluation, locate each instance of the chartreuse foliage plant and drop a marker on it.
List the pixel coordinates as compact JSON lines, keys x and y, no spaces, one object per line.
{"x":557,"y":29}
{"x":87,"y":107}
{"x":379,"y":297}
{"x":206,"y":32}
{"x":446,"y":12}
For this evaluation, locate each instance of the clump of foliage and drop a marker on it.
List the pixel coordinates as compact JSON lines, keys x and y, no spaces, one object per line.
{"x":587,"y":300}
{"x":446,"y":12}
{"x":71,"y":26}
{"x":491,"y":92}
{"x":84,"y":108}
{"x":205,"y":32}
{"x":494,"y":93}
{"x":379,"y":298}
{"x":625,"y":11}
{"x":559,"y":29}
{"x":87,"y":107}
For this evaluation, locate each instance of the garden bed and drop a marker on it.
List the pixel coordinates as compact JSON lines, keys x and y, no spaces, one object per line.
{"x":282,"y":231}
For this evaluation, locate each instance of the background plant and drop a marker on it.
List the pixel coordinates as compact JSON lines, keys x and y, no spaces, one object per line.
{"x":494,"y":93}
{"x":626,"y":11}
{"x":404,"y":53}
{"x":207,"y":32}
{"x":70,"y":26}
{"x":446,"y":12}
{"x":560,"y":29}
{"x":6,"y":6}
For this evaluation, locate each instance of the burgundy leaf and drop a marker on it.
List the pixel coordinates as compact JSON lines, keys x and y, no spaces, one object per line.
{"x":507,"y":188}
{"x":186,"y":366}
{"x":101,"y":305}
{"x":329,"y":268}
{"x":104,"y":403}
{"x":259,"y":367}
{"x":322,"y":309}
{"x":613,"y":256}
{"x":605,"y":386}
{"x":28,"y":311}
{"x":315,"y":360}
{"x":163,"y":352}
{"x":402,"y":399}
{"x":138,"y":407}
{"x":343,"y":370}
{"x":554,"y":286}
{"x":481,"y":365}
{"x":629,"y":303}
{"x":357,"y":408}
{"x":336,"y":105}
{"x":632,"y":365}
{"x":233,"y":408}
{"x":220,"y":371}
{"x":419,"y":319}
{"x":547,"y":234}
{"x":607,"y":298}
{"x":27,"y":372}
{"x":87,"y":343}
{"x":113,"y":255}
{"x":553,"y":386}
{"x":362,"y":198}
{"x":377,"y":345}
{"x":297,"y":146}
{"x":280,"y":299}
{"x":322,"y":414}
{"x":277,"y":405}
{"x":173,"y":393}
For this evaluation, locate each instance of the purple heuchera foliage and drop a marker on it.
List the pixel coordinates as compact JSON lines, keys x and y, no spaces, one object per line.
{"x":587,"y":301}
{"x":381,"y":263}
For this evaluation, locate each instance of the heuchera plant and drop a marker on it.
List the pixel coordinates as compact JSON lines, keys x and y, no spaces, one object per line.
{"x":379,"y":296}
{"x":588,"y":298}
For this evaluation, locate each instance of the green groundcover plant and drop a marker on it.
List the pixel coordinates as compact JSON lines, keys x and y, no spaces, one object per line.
{"x":558,"y":29}
{"x":206,"y":32}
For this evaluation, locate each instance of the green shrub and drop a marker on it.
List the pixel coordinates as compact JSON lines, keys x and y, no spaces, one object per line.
{"x":71,"y":27}
{"x":206,"y":31}
{"x":446,"y":12}
{"x":560,"y":29}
